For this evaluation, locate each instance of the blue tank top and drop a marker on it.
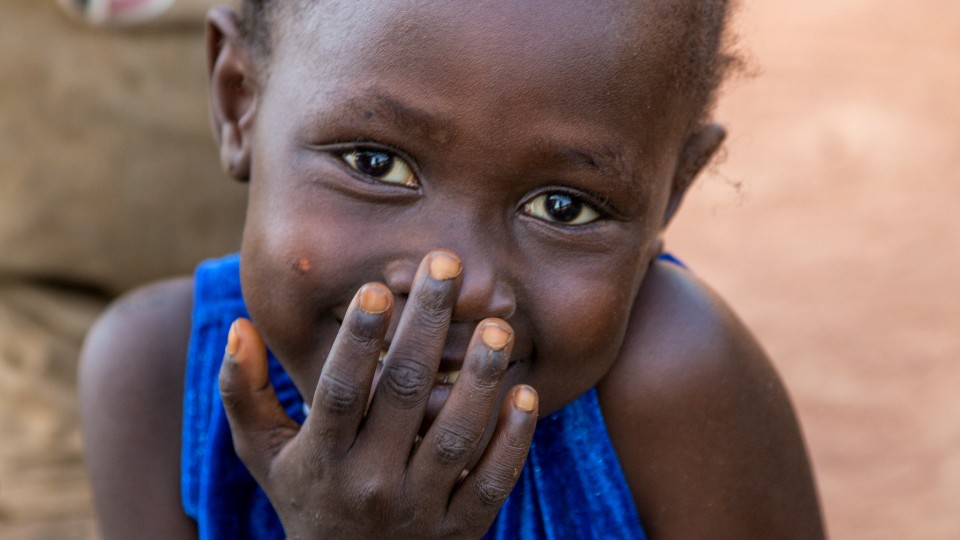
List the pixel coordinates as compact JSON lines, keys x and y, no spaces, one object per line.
{"x":572,"y":485}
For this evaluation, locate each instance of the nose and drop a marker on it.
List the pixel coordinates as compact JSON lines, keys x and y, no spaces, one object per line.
{"x":485,"y":290}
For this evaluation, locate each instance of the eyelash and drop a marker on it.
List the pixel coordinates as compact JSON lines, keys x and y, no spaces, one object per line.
{"x":585,"y":209}
{"x":584,"y":202}
{"x":399,"y":171}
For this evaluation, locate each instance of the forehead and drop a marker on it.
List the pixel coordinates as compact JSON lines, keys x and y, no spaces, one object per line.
{"x":621,"y":49}
{"x":543,"y":66}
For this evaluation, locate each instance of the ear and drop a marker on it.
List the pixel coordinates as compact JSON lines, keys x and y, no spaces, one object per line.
{"x":700,"y":147}
{"x":233,"y":91}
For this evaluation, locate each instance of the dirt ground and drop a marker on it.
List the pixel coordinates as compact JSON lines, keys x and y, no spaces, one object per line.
{"x":830,"y":227}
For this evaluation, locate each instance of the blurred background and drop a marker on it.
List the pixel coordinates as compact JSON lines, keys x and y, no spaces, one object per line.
{"x":103,"y":133}
{"x":829,"y":226}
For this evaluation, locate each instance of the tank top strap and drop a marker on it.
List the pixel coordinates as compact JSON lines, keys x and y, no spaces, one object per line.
{"x":216,"y":488}
{"x":572,"y":485}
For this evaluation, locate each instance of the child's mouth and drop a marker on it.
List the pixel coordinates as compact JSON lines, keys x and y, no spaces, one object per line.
{"x":443,"y":383}
{"x":448,"y":373}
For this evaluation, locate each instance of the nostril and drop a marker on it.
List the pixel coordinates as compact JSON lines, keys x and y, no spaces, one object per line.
{"x":484,"y":300}
{"x":399,"y":275}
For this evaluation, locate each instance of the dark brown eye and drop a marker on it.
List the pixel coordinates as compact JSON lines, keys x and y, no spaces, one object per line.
{"x":382,"y":165}
{"x":561,"y":207}
{"x":374,"y":163}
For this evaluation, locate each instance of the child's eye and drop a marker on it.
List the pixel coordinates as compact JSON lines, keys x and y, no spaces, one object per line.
{"x":382,"y":165}
{"x":561,"y":207}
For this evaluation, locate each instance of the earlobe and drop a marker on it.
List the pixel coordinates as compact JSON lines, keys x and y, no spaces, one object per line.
{"x":698,"y":150}
{"x":234,"y":152}
{"x":233,"y":91}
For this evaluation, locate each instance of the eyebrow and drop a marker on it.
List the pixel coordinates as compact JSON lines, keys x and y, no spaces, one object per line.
{"x":406,"y":117}
{"x":605,"y":159}
{"x":602,"y":159}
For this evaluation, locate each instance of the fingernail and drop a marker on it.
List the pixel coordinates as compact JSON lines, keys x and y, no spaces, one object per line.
{"x":374,"y":298}
{"x":494,"y":336}
{"x":233,"y":340}
{"x":525,"y":399}
{"x":444,"y":266}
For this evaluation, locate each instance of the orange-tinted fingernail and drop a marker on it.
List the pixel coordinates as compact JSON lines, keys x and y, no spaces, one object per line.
{"x":374,"y":298}
{"x":444,"y":266}
{"x":494,"y":336}
{"x":233,"y":340}
{"x":525,"y":399}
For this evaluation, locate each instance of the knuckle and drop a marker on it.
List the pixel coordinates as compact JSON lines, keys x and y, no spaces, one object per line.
{"x":406,"y":382}
{"x":337,"y":395}
{"x":514,"y":445}
{"x":369,"y":498}
{"x":495,"y":486}
{"x":232,"y":401}
{"x":453,"y":445}
{"x":492,"y":491}
{"x":373,"y":497}
{"x":236,"y":402}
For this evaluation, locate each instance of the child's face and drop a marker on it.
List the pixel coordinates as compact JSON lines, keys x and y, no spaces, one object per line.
{"x":536,"y":140}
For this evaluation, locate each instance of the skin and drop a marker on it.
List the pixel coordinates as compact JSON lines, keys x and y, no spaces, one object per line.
{"x":493,"y":107}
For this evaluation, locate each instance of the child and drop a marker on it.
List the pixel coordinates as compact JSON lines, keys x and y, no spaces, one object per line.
{"x":452,"y":231}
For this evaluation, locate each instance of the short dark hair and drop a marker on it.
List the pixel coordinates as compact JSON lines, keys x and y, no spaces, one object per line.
{"x":255,"y":19}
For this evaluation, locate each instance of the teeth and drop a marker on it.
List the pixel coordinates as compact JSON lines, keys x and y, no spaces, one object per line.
{"x":447,"y":377}
{"x":443,"y":377}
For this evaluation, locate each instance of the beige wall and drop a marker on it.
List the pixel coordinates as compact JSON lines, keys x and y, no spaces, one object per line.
{"x":108,"y":179}
{"x":108,"y":173}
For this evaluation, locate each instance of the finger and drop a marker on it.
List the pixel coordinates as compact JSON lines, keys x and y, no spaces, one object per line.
{"x":484,"y":490}
{"x":457,"y":432}
{"x":344,"y":386}
{"x":411,"y":364}
{"x":260,"y":426}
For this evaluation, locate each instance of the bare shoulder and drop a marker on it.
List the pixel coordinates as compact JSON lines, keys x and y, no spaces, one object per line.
{"x":131,"y":391}
{"x":703,"y":426}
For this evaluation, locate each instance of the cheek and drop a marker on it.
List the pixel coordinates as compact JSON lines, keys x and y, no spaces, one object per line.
{"x":593,"y":311}
{"x":300,"y":243}
{"x":580,"y":332}
{"x":290,"y":280}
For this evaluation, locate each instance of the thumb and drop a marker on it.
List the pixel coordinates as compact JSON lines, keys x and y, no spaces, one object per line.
{"x":260,"y":426}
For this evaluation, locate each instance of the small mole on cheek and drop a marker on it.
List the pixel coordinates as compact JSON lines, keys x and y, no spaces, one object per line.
{"x":302,"y":266}
{"x":368,"y":114}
